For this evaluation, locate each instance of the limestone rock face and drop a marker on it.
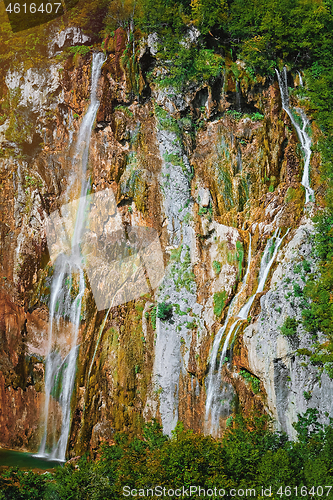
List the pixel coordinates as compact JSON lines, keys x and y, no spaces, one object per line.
{"x":274,"y":358}
{"x":215,"y":186}
{"x":21,"y":381}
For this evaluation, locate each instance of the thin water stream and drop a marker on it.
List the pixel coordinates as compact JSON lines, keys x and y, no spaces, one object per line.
{"x":303,"y":136}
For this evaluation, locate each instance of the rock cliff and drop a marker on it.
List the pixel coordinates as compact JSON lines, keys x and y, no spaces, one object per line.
{"x":216,"y":171}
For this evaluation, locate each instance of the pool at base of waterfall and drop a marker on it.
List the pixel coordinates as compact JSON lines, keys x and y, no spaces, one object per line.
{"x":22,"y":460}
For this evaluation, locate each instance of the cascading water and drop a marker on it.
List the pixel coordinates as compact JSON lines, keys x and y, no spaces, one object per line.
{"x":270,"y":252}
{"x":214,"y":379}
{"x":213,"y":400}
{"x":68,"y":282}
{"x":303,"y":136}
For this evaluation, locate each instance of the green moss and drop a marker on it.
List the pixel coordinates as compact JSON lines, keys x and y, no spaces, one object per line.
{"x":236,"y":257}
{"x":291,"y":195}
{"x":220,"y":299}
{"x":225,"y":186}
{"x":181,"y":271}
{"x":133,"y":184}
{"x":125,"y":110}
{"x":191,"y":325}
{"x":217,"y":267}
{"x":188,"y":217}
{"x":179,"y":311}
{"x":239,"y":256}
{"x":166,"y":122}
{"x":176,"y":253}
{"x":153,"y":314}
{"x":80,"y":49}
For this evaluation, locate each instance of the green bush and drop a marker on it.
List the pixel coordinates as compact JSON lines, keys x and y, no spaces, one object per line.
{"x":254,"y":381}
{"x":289,"y":327}
{"x":297,"y":290}
{"x":307,"y":395}
{"x":249,"y":453}
{"x":202,"y":210}
{"x":257,"y":116}
{"x":164,"y":311}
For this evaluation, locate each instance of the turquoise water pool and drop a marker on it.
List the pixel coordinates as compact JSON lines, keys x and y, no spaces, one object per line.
{"x":25,"y":460}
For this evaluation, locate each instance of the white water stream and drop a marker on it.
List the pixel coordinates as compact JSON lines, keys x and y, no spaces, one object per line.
{"x":67,"y":290}
{"x":303,"y":136}
{"x":213,"y":400}
{"x":270,"y":252}
{"x":214,"y":379}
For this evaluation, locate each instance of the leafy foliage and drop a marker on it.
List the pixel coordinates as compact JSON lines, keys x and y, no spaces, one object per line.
{"x":254,"y":381}
{"x":164,"y":311}
{"x":289,"y":327}
{"x":248,"y":454}
{"x":217,"y":267}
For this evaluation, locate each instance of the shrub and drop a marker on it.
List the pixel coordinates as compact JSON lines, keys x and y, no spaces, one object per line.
{"x":257,"y":116}
{"x":289,"y":327}
{"x":307,"y":395}
{"x":306,"y":266}
{"x":254,"y":381}
{"x":153,"y":317}
{"x":164,"y":311}
{"x":297,"y":290}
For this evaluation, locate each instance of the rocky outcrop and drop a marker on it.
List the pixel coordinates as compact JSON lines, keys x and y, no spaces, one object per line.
{"x":291,"y":383}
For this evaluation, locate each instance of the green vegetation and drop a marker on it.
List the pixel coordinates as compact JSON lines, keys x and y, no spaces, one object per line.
{"x":220,"y":299}
{"x":217,"y":267}
{"x":236,"y":257}
{"x":125,"y":110}
{"x":253,"y":381}
{"x":82,"y":50}
{"x":307,"y":395}
{"x":181,"y":269}
{"x":191,"y":325}
{"x":164,"y":311}
{"x":153,"y":314}
{"x":248,"y":456}
{"x":289,"y":327}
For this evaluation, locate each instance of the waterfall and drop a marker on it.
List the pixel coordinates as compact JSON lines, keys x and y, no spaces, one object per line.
{"x":270,"y":252}
{"x":303,"y":136}
{"x":213,"y":404}
{"x":214,"y":379}
{"x":67,"y":289}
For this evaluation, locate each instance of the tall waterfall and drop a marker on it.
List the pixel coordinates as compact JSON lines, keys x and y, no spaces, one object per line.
{"x":303,"y":136}
{"x":214,"y":378}
{"x":67,"y":291}
{"x":213,"y":400}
